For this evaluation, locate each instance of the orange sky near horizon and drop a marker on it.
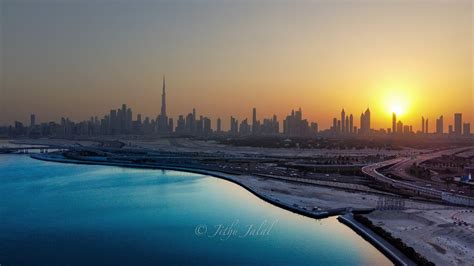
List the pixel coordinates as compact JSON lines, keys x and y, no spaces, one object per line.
{"x":85,"y":58}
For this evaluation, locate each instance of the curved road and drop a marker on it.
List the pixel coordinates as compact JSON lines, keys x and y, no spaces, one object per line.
{"x":400,"y":165}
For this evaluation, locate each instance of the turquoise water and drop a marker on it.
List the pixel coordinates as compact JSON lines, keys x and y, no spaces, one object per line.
{"x":65,"y":214}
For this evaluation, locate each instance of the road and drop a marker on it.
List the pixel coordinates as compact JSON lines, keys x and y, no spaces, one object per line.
{"x":400,"y":165}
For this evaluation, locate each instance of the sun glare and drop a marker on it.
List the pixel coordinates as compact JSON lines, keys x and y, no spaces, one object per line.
{"x":396,"y":101}
{"x":397,"y":109}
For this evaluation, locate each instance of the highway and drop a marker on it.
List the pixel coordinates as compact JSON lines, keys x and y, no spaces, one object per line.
{"x":400,"y":164}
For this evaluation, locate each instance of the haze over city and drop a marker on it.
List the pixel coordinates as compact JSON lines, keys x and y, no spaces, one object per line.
{"x":83,"y":58}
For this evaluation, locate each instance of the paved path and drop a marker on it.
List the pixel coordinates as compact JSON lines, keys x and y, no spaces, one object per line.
{"x":385,"y":247}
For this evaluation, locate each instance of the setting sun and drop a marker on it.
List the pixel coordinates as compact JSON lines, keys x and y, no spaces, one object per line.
{"x":397,"y":109}
{"x":396,"y":101}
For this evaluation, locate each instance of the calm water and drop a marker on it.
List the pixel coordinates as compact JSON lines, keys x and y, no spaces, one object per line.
{"x":63,"y":214}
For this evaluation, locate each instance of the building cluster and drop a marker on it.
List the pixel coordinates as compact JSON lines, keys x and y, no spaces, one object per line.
{"x":269,"y":126}
{"x":345,"y":125}
{"x":121,"y":122}
{"x":460,"y":129}
{"x":295,"y":125}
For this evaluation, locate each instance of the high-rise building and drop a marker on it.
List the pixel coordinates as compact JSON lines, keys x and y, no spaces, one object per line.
{"x":466,"y":129}
{"x":180,"y":125}
{"x":399,"y":127}
{"x":219,"y":125}
{"x":406,"y":129}
{"x":163,"y":99}
{"x":163,"y":123}
{"x":32,"y":120}
{"x":234,"y":126}
{"x":365,"y":122}
{"x":170,"y":125}
{"x":128,"y":121}
{"x":346,"y":127}
{"x":200,"y":125}
{"x":113,"y":123}
{"x":439,"y":125}
{"x":422,"y":124}
{"x":394,"y":123}
{"x":207,"y":126}
{"x":426,"y":126}
{"x":254,"y":121}
{"x":244,"y":127}
{"x":457,"y":123}
{"x":351,"y":124}
{"x":343,"y":121}
{"x":294,"y":125}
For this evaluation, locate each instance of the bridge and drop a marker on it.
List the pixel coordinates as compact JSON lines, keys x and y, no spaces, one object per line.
{"x":26,"y":149}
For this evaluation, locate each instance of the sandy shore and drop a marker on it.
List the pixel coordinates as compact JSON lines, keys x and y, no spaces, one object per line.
{"x":444,"y":235}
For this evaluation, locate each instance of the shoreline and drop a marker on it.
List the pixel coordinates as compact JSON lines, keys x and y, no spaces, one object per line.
{"x":222,"y":175}
{"x":386,"y":248}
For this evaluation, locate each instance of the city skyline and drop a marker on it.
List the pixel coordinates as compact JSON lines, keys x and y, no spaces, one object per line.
{"x":320,"y":56}
{"x":162,"y":123}
{"x":121,"y":121}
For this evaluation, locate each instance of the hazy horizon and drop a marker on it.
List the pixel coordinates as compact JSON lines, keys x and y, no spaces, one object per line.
{"x":81,"y":58}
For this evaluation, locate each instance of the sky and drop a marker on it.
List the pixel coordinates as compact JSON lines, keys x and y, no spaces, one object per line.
{"x":77,"y":58}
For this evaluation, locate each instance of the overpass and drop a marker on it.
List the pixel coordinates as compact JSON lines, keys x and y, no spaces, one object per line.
{"x":371,"y":170}
{"x":26,"y":149}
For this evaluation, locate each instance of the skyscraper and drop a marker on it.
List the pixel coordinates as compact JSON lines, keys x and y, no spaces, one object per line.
{"x":439,"y":125}
{"x":163,"y":99}
{"x":343,"y":121}
{"x":346,"y":128}
{"x":254,"y":121}
{"x":32,"y":120}
{"x":219,"y":125}
{"x":365,"y":122}
{"x":466,"y":129}
{"x":394,"y":123}
{"x":163,"y":123}
{"x":399,"y":127}
{"x":457,"y":123}
{"x":422,"y":124}
{"x":351,"y":124}
{"x":180,"y":125}
{"x":234,"y":128}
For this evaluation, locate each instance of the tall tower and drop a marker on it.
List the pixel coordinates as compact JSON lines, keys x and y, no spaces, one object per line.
{"x":32,"y":120}
{"x":163,"y":99}
{"x":254,"y":121}
{"x":422,"y":124}
{"x":394,"y":123}
{"x":439,"y":125}
{"x":351,"y":124}
{"x":347,"y":125}
{"x":367,"y":121}
{"x":343,"y":121}
{"x":457,"y":123}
